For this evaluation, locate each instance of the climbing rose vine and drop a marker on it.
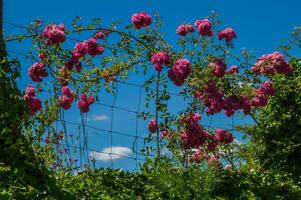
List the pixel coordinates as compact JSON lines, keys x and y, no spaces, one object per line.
{"x":204,"y":66}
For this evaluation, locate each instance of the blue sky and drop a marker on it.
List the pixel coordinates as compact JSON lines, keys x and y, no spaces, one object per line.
{"x":261,"y":26}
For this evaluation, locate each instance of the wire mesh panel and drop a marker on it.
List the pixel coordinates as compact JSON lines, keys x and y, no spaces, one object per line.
{"x":113,"y":133}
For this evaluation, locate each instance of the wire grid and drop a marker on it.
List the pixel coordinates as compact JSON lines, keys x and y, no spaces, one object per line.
{"x":96,"y":131}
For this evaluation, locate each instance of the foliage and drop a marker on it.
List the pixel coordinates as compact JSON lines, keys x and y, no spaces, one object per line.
{"x":248,"y":183}
{"x":166,"y":183}
{"x":22,"y":174}
{"x":176,"y":183}
{"x":277,"y":137}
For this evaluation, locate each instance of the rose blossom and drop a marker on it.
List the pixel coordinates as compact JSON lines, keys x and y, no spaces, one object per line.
{"x":179,"y":71}
{"x":223,"y":136}
{"x":163,"y":133}
{"x":218,"y":68}
{"x":267,"y":89}
{"x":141,"y":19}
{"x":93,"y":48}
{"x":152,"y":126}
{"x":80,"y":50}
{"x":159,"y":59}
{"x":101,"y":34}
{"x":37,"y":71}
{"x":233,"y":70}
{"x":204,"y":27}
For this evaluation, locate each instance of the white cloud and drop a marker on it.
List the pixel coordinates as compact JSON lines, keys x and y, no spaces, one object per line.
{"x":101,"y":117}
{"x":111,"y":153}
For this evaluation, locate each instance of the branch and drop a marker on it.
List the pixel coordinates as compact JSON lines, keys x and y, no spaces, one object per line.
{"x":21,"y":37}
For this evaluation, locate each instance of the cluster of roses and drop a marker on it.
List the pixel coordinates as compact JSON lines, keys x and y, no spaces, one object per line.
{"x":85,"y":102}
{"x":211,"y":97}
{"x":37,"y":71}
{"x":269,"y":64}
{"x":159,"y":59}
{"x":204,"y":28}
{"x":218,"y":68}
{"x":262,"y":94}
{"x":54,"y":33}
{"x":177,"y":73}
{"x":215,"y":101}
{"x":81,"y":49}
{"x":66,"y":100}
{"x":89,"y":46}
{"x":101,"y":34}
{"x":194,"y":137}
{"x":34,"y":103}
{"x":228,"y":34}
{"x":184,"y":29}
{"x":199,"y":156}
